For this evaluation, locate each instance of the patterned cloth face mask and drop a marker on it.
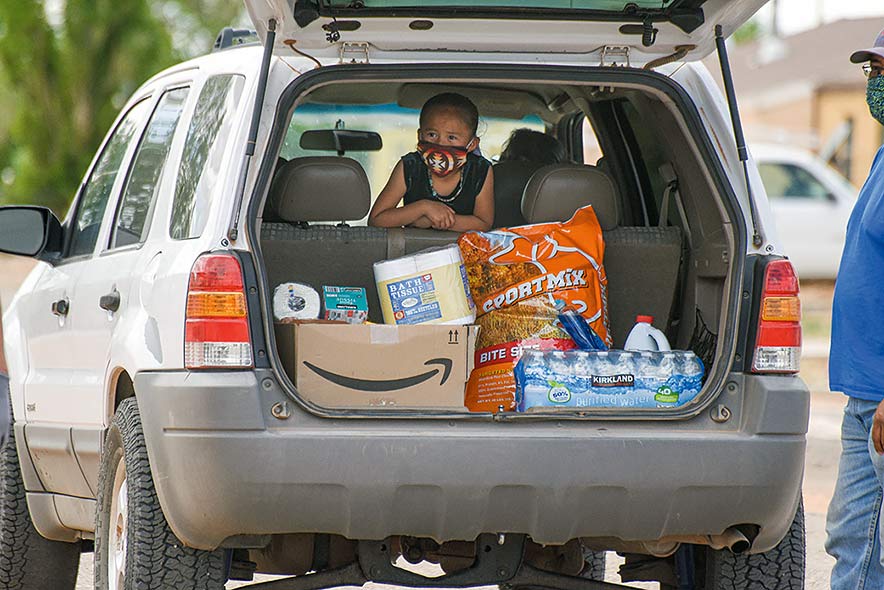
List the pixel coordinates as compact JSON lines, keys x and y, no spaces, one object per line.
{"x":875,"y":98}
{"x":442,"y":160}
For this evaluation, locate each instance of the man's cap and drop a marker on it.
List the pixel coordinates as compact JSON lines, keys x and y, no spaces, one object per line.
{"x":864,"y":55}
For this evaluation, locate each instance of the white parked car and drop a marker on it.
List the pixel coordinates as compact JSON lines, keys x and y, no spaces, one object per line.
{"x":152,"y":409}
{"x":811,"y":204}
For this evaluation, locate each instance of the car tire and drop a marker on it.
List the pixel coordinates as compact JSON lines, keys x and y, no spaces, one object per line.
{"x":28,"y":561}
{"x":781,"y":568}
{"x":594,"y":564}
{"x":134,"y":546}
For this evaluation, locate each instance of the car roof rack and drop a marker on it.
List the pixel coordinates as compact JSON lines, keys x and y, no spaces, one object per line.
{"x":230,"y":37}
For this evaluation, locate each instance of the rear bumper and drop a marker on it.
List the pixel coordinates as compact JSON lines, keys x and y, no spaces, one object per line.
{"x":223,"y":466}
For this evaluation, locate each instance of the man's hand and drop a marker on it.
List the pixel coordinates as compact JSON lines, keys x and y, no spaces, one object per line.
{"x":878,"y":429}
{"x":440,"y":216}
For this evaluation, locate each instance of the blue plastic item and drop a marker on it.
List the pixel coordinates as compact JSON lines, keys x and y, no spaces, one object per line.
{"x":578,"y":328}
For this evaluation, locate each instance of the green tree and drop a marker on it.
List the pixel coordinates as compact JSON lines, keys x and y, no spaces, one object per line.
{"x":68,"y":72}
{"x":749,"y":32}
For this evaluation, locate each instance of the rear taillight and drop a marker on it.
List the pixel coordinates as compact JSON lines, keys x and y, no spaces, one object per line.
{"x":778,"y":341}
{"x":216,"y":329}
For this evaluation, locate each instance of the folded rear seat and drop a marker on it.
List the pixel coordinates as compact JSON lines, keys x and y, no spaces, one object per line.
{"x":313,"y":198}
{"x":642,"y":263}
{"x":408,"y":240}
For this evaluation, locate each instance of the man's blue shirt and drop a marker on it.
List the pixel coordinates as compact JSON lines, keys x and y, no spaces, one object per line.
{"x":856,"y":360}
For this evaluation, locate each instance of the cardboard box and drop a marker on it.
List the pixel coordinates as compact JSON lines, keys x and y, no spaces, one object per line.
{"x":375,"y":365}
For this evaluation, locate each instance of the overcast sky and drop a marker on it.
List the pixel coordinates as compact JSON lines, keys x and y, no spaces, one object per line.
{"x":798,"y":15}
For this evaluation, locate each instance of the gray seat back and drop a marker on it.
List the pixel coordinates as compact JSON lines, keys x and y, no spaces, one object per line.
{"x":642,"y":263}
{"x":556,"y":191}
{"x":323,"y":191}
{"x":510,"y":179}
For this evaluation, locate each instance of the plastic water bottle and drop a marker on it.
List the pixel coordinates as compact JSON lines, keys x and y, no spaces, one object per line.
{"x":644,"y":336}
{"x":623,"y":363}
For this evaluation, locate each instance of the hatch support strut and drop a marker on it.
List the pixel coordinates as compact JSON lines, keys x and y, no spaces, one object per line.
{"x":742,"y":151}
{"x":233,"y":230}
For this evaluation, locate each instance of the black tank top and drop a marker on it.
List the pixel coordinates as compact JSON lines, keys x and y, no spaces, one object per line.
{"x":417,"y":182}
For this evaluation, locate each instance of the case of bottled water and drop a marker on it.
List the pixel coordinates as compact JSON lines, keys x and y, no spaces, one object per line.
{"x":610,"y":379}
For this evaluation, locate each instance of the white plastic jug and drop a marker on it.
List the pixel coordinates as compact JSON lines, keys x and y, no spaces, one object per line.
{"x":644,"y":336}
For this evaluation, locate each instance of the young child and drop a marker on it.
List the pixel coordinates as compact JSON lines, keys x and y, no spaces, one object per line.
{"x":443,"y":184}
{"x":527,"y":145}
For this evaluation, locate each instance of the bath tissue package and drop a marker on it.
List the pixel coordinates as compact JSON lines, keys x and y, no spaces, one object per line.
{"x":295,"y":301}
{"x":428,"y":287}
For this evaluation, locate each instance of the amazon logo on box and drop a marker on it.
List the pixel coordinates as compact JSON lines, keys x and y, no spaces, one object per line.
{"x":353,"y":366}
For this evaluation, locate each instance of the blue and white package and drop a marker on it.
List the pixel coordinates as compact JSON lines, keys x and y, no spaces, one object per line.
{"x":609,"y":379}
{"x":578,"y":328}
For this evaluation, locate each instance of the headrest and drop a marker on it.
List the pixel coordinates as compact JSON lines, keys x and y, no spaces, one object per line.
{"x":322,"y":188}
{"x":556,"y":191}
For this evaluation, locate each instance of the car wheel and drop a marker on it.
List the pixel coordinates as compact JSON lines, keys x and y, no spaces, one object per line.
{"x":134,"y":546}
{"x":781,"y":568}
{"x":594,"y":563}
{"x":28,"y":561}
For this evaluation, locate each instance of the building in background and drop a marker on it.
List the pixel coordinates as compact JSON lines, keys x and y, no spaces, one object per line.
{"x":802,"y":90}
{"x":793,"y":16}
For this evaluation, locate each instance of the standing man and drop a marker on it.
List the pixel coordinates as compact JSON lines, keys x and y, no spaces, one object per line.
{"x":856,"y":367}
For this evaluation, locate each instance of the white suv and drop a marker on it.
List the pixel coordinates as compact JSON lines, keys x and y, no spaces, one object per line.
{"x":152,"y":411}
{"x":811,"y":204}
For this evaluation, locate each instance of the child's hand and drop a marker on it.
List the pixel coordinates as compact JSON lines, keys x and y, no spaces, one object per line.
{"x":441,"y":216}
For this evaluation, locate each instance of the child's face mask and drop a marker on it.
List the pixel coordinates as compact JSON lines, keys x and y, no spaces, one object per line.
{"x":442,"y":160}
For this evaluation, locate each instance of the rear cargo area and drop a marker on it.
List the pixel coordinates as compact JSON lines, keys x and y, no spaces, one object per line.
{"x":667,"y":246}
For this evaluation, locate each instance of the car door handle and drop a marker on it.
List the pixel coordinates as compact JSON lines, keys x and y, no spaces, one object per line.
{"x":61,"y":307}
{"x":111,"y":301}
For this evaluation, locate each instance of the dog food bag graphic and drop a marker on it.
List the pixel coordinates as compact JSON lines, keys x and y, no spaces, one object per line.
{"x":429,"y":287}
{"x":519,"y":277}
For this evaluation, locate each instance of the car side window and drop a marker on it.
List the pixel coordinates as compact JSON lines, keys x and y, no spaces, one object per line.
{"x":647,"y":156}
{"x":203,"y":154}
{"x":96,"y":192}
{"x":139,"y":195}
{"x":592,"y":149}
{"x":788,"y":181}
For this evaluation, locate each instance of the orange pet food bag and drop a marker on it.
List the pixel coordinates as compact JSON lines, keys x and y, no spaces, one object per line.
{"x":515,"y":276}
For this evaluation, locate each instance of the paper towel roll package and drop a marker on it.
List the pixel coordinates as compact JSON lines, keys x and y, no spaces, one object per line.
{"x":428,"y":287}
{"x":295,"y":301}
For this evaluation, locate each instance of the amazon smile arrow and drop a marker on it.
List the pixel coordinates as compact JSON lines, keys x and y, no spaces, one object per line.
{"x":376,"y":385}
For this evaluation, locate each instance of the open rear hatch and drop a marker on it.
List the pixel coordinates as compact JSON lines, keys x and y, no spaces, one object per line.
{"x":646,"y":34}
{"x":650,"y":29}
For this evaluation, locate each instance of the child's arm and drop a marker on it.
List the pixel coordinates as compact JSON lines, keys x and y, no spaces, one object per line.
{"x":483,"y":211}
{"x":422,"y":213}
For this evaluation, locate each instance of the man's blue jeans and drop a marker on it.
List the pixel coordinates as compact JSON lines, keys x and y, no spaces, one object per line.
{"x":853,"y":521}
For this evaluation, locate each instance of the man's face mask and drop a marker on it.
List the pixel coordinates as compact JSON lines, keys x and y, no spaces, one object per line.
{"x":875,"y":98}
{"x":442,"y":160}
